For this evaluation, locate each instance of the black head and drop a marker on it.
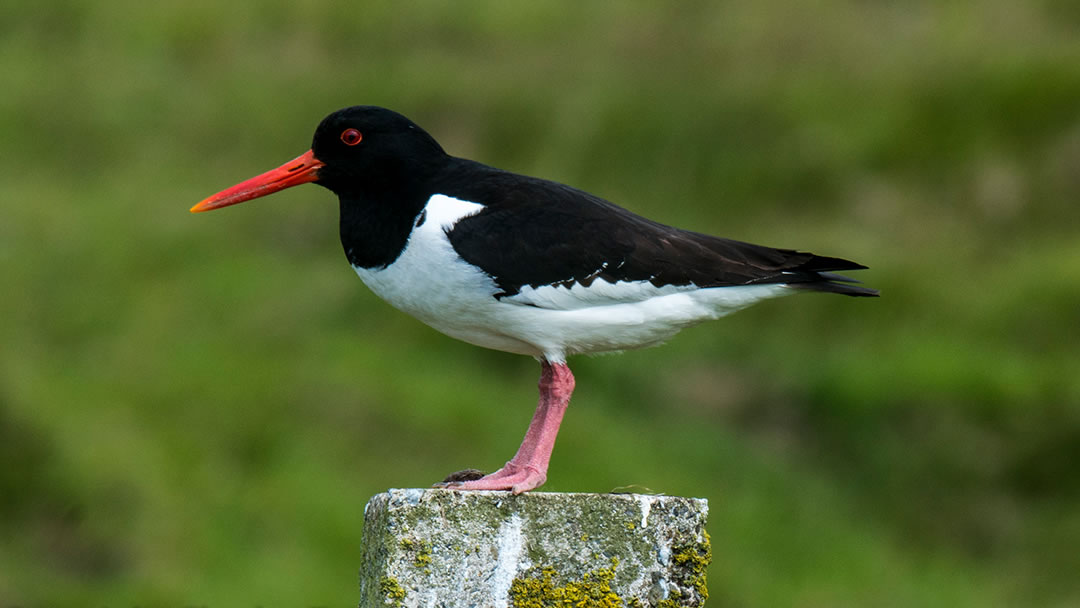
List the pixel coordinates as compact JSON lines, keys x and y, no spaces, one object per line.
{"x":368,"y":149}
{"x":360,"y":153}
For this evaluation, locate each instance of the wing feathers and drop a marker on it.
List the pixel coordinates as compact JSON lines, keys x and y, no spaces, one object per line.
{"x":533,"y":233}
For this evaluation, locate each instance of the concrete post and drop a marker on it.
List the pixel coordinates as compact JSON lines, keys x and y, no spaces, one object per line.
{"x":447,"y":549}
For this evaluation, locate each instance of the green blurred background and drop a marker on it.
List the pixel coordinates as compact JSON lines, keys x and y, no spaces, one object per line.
{"x":194,"y":409}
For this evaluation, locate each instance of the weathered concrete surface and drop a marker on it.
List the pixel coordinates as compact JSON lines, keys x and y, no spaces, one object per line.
{"x":448,"y":549}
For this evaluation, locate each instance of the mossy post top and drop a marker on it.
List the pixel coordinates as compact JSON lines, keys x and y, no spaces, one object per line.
{"x":425,"y":547}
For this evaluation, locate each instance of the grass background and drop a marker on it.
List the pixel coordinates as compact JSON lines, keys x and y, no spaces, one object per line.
{"x":194,"y":409}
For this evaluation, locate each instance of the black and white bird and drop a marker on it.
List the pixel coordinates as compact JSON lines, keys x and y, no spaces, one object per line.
{"x":521,"y":264}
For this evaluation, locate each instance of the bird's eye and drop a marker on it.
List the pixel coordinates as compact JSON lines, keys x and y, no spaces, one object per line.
{"x":351,"y":137}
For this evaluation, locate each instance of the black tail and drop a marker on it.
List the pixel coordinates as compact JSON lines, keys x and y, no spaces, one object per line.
{"x":816,"y":275}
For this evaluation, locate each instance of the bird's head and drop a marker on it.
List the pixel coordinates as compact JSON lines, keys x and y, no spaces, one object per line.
{"x":355,"y":150}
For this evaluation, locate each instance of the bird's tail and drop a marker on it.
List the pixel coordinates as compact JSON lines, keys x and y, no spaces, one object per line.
{"x":816,"y":274}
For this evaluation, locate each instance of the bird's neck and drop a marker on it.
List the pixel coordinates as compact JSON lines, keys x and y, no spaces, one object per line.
{"x":375,"y":227}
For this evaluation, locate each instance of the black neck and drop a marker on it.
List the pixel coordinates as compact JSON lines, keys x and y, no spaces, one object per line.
{"x":375,"y":232}
{"x":379,"y":210}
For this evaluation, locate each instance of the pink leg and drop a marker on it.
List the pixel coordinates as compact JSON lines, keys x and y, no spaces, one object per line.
{"x":528,"y":468}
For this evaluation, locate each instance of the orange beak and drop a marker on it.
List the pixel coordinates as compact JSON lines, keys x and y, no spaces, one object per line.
{"x":300,"y":170}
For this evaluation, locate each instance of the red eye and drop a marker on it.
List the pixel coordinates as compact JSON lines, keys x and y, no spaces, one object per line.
{"x":351,"y":137}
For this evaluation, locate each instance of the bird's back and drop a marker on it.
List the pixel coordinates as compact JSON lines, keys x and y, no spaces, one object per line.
{"x":580,"y":238}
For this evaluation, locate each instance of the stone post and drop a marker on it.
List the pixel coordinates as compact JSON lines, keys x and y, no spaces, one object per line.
{"x":447,"y":549}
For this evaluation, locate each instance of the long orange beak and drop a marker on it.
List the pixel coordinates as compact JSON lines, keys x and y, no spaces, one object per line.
{"x":300,"y":170}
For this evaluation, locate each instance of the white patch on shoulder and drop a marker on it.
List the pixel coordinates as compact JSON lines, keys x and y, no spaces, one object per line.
{"x":447,"y":210}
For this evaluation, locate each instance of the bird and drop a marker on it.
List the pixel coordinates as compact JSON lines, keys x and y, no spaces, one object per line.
{"x":522,"y":264}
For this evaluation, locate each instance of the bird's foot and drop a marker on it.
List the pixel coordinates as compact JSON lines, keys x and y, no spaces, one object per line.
{"x":512,"y":477}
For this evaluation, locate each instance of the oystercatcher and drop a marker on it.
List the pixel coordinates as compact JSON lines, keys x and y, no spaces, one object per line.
{"x":522,"y":264}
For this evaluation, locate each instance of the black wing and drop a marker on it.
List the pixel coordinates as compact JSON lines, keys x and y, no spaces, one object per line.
{"x":537,"y":232}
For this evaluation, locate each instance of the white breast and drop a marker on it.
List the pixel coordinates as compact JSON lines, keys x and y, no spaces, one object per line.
{"x":432,"y":283}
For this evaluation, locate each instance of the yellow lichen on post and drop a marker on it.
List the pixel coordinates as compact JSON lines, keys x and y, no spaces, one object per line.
{"x":696,"y":559}
{"x":592,"y":591}
{"x":391,"y":590}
